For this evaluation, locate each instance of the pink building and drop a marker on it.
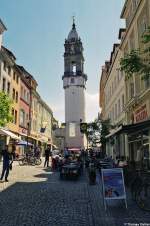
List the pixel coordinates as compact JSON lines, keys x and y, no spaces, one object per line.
{"x":24,"y":114}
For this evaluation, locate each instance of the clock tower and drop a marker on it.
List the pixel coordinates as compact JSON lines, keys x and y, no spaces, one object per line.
{"x":74,"y":84}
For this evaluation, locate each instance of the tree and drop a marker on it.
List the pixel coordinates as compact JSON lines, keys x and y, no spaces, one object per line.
{"x":138,"y":61}
{"x":96,"y":132}
{"x":93,"y":133}
{"x":5,"y":109}
{"x":105,"y":127}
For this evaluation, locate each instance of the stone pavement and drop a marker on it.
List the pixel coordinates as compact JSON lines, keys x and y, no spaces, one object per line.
{"x":37,"y":197}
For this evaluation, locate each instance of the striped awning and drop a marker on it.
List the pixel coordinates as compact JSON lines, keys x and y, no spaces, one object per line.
{"x":9,"y":133}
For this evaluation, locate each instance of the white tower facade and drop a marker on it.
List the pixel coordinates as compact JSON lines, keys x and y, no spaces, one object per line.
{"x":74,"y":84}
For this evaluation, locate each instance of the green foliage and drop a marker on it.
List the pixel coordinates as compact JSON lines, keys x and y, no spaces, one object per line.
{"x":96,"y":132}
{"x":83,"y":127}
{"x":5,"y":109}
{"x":146,"y":36}
{"x":131,"y":63}
{"x":105,"y":127}
{"x":134,"y":61}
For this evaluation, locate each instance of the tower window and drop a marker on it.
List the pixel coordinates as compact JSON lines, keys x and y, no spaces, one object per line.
{"x":74,"y":68}
{"x":72,"y":80}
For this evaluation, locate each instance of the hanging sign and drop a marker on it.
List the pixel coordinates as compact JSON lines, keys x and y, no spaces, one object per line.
{"x":113,"y":184}
{"x":141,"y":114}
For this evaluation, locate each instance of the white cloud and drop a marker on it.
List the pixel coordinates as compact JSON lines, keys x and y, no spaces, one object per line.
{"x":92,"y":107}
{"x":58,"y":111}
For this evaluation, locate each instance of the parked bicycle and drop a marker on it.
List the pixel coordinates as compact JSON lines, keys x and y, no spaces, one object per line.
{"x":140,"y":189}
{"x":29,"y":160}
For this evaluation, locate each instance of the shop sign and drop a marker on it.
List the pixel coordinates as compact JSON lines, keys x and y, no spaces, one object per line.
{"x":113,"y":184}
{"x":141,"y":114}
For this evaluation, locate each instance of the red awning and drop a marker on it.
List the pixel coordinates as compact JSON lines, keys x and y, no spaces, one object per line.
{"x":74,"y":149}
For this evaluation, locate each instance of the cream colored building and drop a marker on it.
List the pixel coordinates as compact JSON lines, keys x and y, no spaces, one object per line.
{"x":127,"y":101}
{"x":2,"y":29}
{"x":114,"y":92}
{"x":137,"y":18}
{"x":45,"y":122}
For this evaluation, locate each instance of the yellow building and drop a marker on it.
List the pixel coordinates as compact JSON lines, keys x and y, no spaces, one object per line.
{"x":137,"y":18}
{"x":11,"y":85}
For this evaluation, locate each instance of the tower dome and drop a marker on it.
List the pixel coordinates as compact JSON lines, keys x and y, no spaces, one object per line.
{"x":73,"y":33}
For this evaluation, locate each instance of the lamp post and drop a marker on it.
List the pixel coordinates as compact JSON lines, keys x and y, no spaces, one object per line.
{"x":28,"y":127}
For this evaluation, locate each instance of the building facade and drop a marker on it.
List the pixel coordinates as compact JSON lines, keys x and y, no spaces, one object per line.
{"x":32,"y":117}
{"x":128,"y":106}
{"x":24,"y":111}
{"x":114,"y":92}
{"x":74,"y":83}
{"x":137,"y":18}
{"x":2,"y":29}
{"x":103,"y":80}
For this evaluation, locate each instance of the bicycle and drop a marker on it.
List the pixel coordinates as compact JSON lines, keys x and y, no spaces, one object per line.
{"x":27,"y":160}
{"x":140,"y":189}
{"x":38,"y":161}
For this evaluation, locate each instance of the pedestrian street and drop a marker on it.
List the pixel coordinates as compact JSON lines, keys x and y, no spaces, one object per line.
{"x":35,"y":196}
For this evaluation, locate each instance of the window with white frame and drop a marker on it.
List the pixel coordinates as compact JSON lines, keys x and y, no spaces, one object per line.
{"x":119,"y":107}
{"x":113,"y":114}
{"x":22,"y":118}
{"x":131,"y":90}
{"x":21,"y":91}
{"x":4,"y":85}
{"x":122,"y":102}
{"x":115,"y":111}
{"x":147,"y":83}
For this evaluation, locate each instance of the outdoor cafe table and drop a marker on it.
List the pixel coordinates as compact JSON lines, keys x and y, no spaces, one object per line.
{"x":70,"y":170}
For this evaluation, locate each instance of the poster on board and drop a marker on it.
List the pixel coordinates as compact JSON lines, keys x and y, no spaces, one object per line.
{"x":113,"y":184}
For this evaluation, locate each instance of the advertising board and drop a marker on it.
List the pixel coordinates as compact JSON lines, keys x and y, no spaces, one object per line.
{"x":113,"y":184}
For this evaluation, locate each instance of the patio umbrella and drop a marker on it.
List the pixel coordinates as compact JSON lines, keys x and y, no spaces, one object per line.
{"x":24,"y":143}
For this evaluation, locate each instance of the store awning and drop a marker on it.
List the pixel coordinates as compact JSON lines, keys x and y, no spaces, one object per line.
{"x":10,"y":134}
{"x":74,"y":149}
{"x":136,"y":127}
{"x":114,"y":132}
{"x":131,"y":128}
{"x":53,"y":145}
{"x":33,"y":138}
{"x":24,"y":143}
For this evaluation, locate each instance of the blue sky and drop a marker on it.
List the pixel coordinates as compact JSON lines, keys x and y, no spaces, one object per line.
{"x":36,"y":31}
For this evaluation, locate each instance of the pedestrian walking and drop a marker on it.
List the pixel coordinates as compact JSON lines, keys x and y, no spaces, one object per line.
{"x":47,"y":155}
{"x":7,"y":163}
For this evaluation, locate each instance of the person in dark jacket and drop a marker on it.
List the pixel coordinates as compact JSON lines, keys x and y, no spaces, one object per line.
{"x":47,"y":155}
{"x":6,"y":163}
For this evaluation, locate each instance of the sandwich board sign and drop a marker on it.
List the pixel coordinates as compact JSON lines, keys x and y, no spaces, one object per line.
{"x":113,"y":185}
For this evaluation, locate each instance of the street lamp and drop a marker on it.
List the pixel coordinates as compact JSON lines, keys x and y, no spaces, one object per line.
{"x":28,"y":130}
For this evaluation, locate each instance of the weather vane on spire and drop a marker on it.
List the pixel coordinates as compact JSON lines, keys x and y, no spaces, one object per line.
{"x":73,"y":19}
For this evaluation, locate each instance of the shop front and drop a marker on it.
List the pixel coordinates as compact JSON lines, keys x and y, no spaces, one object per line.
{"x":138,"y":143}
{"x":8,"y":138}
{"x":115,"y":143}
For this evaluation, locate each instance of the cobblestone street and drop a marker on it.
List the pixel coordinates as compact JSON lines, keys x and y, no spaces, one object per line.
{"x":36,"y":196}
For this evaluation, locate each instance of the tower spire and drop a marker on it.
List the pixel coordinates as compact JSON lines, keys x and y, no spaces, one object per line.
{"x":73,"y":24}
